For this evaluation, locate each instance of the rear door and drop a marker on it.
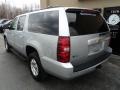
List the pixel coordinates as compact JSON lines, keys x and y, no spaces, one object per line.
{"x":11,"y":32}
{"x":19,"y":34}
{"x":89,"y":34}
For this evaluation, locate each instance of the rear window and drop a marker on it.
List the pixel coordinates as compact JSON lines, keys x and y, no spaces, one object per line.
{"x":44,"y":22}
{"x":82,"y":22}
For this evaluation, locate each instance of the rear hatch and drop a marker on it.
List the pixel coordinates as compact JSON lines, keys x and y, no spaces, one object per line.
{"x":89,"y":35}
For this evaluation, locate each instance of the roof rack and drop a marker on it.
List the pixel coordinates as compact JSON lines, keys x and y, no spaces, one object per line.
{"x":53,"y":6}
{"x":44,"y":8}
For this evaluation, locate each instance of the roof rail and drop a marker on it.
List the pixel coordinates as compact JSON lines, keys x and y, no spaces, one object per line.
{"x":53,"y":6}
{"x":45,"y":8}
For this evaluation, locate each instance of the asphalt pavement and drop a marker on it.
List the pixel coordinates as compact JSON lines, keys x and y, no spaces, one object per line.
{"x":15,"y":75}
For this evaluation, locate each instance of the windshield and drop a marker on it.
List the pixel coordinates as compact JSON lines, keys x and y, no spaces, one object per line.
{"x":85,"y":22}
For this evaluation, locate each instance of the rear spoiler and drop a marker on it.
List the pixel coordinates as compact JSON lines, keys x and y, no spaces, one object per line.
{"x":83,"y":11}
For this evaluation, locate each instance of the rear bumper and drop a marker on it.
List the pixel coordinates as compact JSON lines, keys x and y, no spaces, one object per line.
{"x":91,"y":62}
{"x":67,"y":71}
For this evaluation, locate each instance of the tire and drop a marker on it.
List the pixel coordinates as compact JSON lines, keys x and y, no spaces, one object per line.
{"x":7,"y":46}
{"x":35,"y":66}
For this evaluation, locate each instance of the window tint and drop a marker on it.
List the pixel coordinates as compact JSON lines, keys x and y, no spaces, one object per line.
{"x":44,"y":22}
{"x":13,"y":25}
{"x":81,"y":23}
{"x":21,"y":23}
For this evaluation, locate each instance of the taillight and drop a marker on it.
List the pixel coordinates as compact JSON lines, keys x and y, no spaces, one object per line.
{"x":63,"y":49}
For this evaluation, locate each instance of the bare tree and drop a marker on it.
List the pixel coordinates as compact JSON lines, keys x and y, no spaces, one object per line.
{"x":9,"y":12}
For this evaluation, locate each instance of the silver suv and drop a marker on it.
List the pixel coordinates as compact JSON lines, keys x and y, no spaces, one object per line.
{"x":65,"y":42}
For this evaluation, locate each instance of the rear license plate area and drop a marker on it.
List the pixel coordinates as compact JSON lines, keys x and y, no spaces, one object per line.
{"x":94,"y":48}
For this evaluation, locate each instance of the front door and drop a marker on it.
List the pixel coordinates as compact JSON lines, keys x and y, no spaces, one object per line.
{"x":11,"y":32}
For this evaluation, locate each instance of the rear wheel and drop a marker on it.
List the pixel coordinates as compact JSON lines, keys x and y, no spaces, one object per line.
{"x":36,"y":69}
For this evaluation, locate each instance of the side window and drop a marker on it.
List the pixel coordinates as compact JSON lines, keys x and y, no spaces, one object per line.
{"x":13,"y":25}
{"x":21,"y":23}
{"x":44,"y":22}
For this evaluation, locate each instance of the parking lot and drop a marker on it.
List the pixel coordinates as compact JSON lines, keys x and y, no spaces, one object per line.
{"x":15,"y":75}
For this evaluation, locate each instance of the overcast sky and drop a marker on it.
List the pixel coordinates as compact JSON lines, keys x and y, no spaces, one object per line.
{"x":21,"y":3}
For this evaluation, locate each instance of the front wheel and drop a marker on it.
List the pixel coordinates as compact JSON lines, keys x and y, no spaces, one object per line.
{"x":36,"y":69}
{"x":7,"y":46}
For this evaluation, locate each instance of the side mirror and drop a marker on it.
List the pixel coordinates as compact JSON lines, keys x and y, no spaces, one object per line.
{"x":6,"y":27}
{"x":10,"y":28}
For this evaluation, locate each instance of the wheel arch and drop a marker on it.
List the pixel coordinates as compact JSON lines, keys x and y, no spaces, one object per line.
{"x":4,"y":37}
{"x":30,"y":49}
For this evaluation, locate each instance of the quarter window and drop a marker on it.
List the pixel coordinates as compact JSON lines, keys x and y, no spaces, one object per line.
{"x":44,"y":22}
